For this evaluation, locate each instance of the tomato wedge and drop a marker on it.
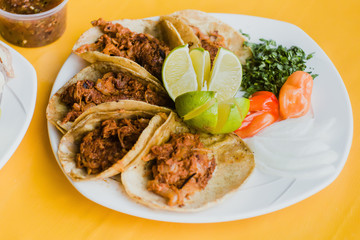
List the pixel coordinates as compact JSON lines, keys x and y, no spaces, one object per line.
{"x":264,"y":111}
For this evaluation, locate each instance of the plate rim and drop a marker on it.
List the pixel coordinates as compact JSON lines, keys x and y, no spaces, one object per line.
{"x":30,"y":111}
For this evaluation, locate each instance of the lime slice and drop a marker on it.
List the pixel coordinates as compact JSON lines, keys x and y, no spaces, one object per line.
{"x":201,"y":110}
{"x":205,"y":121}
{"x":234,"y":110}
{"x":243,"y":106}
{"x":178,"y":73}
{"x":198,"y":109}
{"x":224,"y":109}
{"x":226,"y":75}
{"x":201,"y":62}
{"x":189,"y":102}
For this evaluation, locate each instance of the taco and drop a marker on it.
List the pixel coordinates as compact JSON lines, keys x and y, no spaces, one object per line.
{"x":98,"y":83}
{"x":180,"y":170}
{"x":104,"y":142}
{"x":199,"y":29}
{"x":137,"y":44}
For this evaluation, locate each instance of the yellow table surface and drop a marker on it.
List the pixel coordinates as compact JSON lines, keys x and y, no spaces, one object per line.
{"x":38,"y":202}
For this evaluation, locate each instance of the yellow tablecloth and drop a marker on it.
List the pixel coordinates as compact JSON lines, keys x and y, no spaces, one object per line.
{"x":38,"y":202}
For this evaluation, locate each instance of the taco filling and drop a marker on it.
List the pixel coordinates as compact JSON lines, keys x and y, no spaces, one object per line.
{"x":211,"y":42}
{"x":180,"y":168}
{"x":147,"y":51}
{"x":104,"y":146}
{"x":111,"y":87}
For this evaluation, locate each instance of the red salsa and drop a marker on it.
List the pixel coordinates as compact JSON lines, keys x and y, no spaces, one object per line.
{"x":31,"y":23}
{"x":28,"y":6}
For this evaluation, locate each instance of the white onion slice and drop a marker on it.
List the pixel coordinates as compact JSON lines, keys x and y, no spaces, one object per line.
{"x":295,"y":147}
{"x":289,"y":127}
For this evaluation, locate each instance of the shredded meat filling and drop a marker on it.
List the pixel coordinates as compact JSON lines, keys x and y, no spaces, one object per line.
{"x":211,"y":42}
{"x":104,"y":146}
{"x":111,"y":87}
{"x":181,"y":167}
{"x":147,"y":51}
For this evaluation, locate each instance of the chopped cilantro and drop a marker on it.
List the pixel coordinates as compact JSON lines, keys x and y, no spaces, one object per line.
{"x":244,"y":34}
{"x":271,"y":65}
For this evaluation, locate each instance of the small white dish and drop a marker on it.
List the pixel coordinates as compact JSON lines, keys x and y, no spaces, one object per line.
{"x":17,"y":106}
{"x":262,"y":193}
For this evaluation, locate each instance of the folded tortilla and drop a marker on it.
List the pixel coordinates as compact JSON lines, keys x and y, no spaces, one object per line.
{"x":56,"y":109}
{"x":234,"y":163}
{"x":150,"y":27}
{"x":69,"y":144}
{"x":183,"y":20}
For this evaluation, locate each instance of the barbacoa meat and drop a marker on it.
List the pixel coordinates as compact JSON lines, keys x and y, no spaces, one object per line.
{"x":111,"y":87}
{"x":147,"y":51}
{"x":181,"y":167}
{"x":211,"y":42}
{"x":104,"y":146}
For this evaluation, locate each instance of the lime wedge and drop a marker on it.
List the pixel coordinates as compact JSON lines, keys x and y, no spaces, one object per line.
{"x":201,"y":110}
{"x":178,"y":73}
{"x":197,"y":111}
{"x":201,"y":62}
{"x":226,"y":75}
{"x":235,"y":114}
{"x":243,"y":106}
{"x":206,"y":121}
{"x":224,"y":109}
{"x":187,"y":102}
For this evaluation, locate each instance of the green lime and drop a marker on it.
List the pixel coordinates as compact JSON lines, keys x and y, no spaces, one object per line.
{"x":198,"y":109}
{"x":178,"y":73}
{"x":233,"y":111}
{"x":226,"y":75}
{"x":201,"y":62}
{"x":201,"y":110}
{"x":191,"y":101}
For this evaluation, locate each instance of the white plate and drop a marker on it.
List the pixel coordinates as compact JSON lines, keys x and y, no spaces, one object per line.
{"x":262,"y":193}
{"x":17,"y":106}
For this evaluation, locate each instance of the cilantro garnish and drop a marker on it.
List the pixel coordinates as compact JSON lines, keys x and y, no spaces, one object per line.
{"x":271,"y":65}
